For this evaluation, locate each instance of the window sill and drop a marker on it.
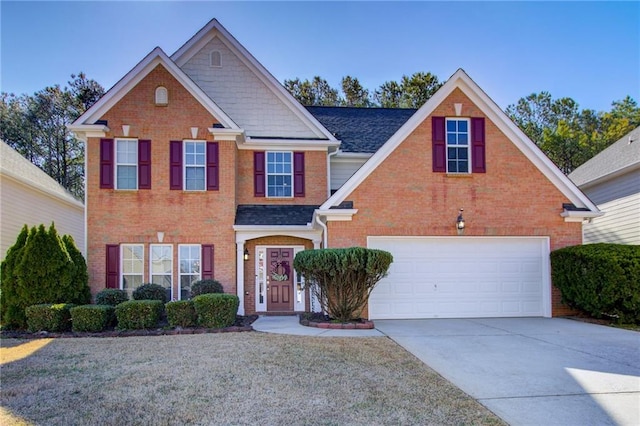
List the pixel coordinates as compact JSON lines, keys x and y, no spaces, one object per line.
{"x":459,"y":175}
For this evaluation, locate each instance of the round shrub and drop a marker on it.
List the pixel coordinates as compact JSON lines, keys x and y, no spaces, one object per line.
{"x":92,"y":318}
{"x":206,"y":287}
{"x":150,"y":292}
{"x":111,"y":297}
{"x":181,"y":313}
{"x":216,"y":310}
{"x":139,"y":314}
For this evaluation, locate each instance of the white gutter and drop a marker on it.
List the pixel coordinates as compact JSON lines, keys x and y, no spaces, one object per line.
{"x":325,"y":231}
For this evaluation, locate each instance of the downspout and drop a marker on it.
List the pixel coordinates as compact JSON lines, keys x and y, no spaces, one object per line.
{"x":325,"y":231}
{"x":331,"y":154}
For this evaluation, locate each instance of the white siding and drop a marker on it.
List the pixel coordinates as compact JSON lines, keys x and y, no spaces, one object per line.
{"x":242,"y":95}
{"x":342,"y":170}
{"x":619,"y":199}
{"x":21,"y":204}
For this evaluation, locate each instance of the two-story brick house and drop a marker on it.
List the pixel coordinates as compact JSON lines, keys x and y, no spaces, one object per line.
{"x":201,"y":165}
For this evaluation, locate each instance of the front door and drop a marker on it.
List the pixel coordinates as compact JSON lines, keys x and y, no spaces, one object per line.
{"x":280,"y":279}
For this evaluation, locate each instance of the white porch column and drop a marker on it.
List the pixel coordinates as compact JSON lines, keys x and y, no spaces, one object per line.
{"x":240,"y":275}
{"x":316,"y":244}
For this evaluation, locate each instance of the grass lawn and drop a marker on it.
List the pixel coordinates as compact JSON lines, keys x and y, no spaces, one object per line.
{"x":225,"y":379}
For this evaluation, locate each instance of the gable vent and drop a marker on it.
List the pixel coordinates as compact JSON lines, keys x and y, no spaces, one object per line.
{"x":214,"y":59}
{"x":162,"y":96}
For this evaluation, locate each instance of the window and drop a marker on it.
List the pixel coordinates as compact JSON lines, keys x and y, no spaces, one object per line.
{"x":189,"y":255}
{"x":457,"y":145}
{"x":132,"y":256}
{"x":161,"y":266}
{"x":126,"y":164}
{"x":194,"y":166}
{"x":279,"y":174}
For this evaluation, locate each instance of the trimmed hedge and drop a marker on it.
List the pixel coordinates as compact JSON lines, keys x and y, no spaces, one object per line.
{"x":112,"y":297}
{"x":205,"y":287}
{"x":602,"y":280}
{"x":181,"y":313}
{"x":216,"y":310}
{"x":92,"y":318}
{"x":150,"y":292}
{"x":49,"y":317}
{"x":139,"y":314}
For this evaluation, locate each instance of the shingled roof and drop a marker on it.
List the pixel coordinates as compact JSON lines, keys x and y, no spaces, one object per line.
{"x":260,"y":214}
{"x":361,"y":129}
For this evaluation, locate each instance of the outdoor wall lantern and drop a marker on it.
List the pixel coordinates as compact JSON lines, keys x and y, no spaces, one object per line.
{"x":460,"y":223}
{"x":246,"y":254}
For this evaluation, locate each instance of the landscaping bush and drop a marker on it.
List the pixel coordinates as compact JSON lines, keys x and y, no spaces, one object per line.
{"x":205,"y":287}
{"x":342,"y":279}
{"x":111,"y":296}
{"x":602,"y":280}
{"x":216,"y":310}
{"x":49,"y":317}
{"x":92,"y":318}
{"x":181,"y":313}
{"x":139,"y":314}
{"x":150,"y":292}
{"x":40,"y":268}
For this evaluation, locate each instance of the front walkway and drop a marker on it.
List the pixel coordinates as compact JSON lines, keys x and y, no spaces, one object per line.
{"x":291,"y":325}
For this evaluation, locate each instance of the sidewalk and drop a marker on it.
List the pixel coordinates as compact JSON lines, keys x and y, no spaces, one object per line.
{"x":291,"y":325}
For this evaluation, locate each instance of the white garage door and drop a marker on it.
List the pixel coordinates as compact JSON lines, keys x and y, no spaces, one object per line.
{"x":463,"y":277}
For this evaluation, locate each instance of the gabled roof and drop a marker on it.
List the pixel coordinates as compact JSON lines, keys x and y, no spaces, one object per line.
{"x":270,"y":215}
{"x":619,"y":157}
{"x":141,"y":70}
{"x":15,"y":166}
{"x":362,"y":130}
{"x":214,"y":29}
{"x":460,"y":80}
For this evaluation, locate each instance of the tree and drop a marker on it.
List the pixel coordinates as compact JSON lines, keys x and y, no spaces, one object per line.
{"x":354,"y":94}
{"x":342,"y":279}
{"x":36,"y":126}
{"x":39,"y":269}
{"x":315,"y":92}
{"x":568,"y":136}
{"x":389,"y":94}
{"x":411,"y":92}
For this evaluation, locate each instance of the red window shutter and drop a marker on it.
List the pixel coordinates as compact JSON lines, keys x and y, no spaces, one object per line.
{"x":106,"y":163}
{"x":175,"y":165}
{"x":298,"y":174}
{"x":438,"y":143}
{"x":113,"y":266}
{"x":144,"y":164}
{"x":212,"y":167}
{"x":477,"y":146}
{"x":258,"y":174}
{"x":207,"y":262}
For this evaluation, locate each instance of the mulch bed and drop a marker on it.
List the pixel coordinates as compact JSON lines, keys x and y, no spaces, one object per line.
{"x":243,"y":323}
{"x":320,"y":320}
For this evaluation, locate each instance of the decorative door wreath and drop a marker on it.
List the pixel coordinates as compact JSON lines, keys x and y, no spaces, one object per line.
{"x":280,"y":270}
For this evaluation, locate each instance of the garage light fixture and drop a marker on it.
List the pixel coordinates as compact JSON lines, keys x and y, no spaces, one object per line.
{"x":246,"y":254}
{"x":460,"y":223}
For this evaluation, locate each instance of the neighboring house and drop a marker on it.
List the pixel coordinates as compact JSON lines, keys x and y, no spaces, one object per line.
{"x":201,"y":165}
{"x":611,"y":180}
{"x":30,"y":196}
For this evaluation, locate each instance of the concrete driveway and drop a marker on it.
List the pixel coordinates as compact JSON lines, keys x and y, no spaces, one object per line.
{"x":533,"y":371}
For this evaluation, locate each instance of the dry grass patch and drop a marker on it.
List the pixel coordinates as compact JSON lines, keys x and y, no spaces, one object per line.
{"x":244,"y":378}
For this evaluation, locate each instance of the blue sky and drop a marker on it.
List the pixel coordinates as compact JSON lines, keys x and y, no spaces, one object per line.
{"x":589,"y":51}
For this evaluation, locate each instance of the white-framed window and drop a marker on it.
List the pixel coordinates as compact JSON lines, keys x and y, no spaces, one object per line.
{"x":279,"y":174}
{"x":190,"y":267}
{"x":132,"y":267}
{"x":458,"y":145}
{"x":126,"y":164}
{"x":215,"y":60}
{"x":161,"y":266}
{"x":195,"y":165}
